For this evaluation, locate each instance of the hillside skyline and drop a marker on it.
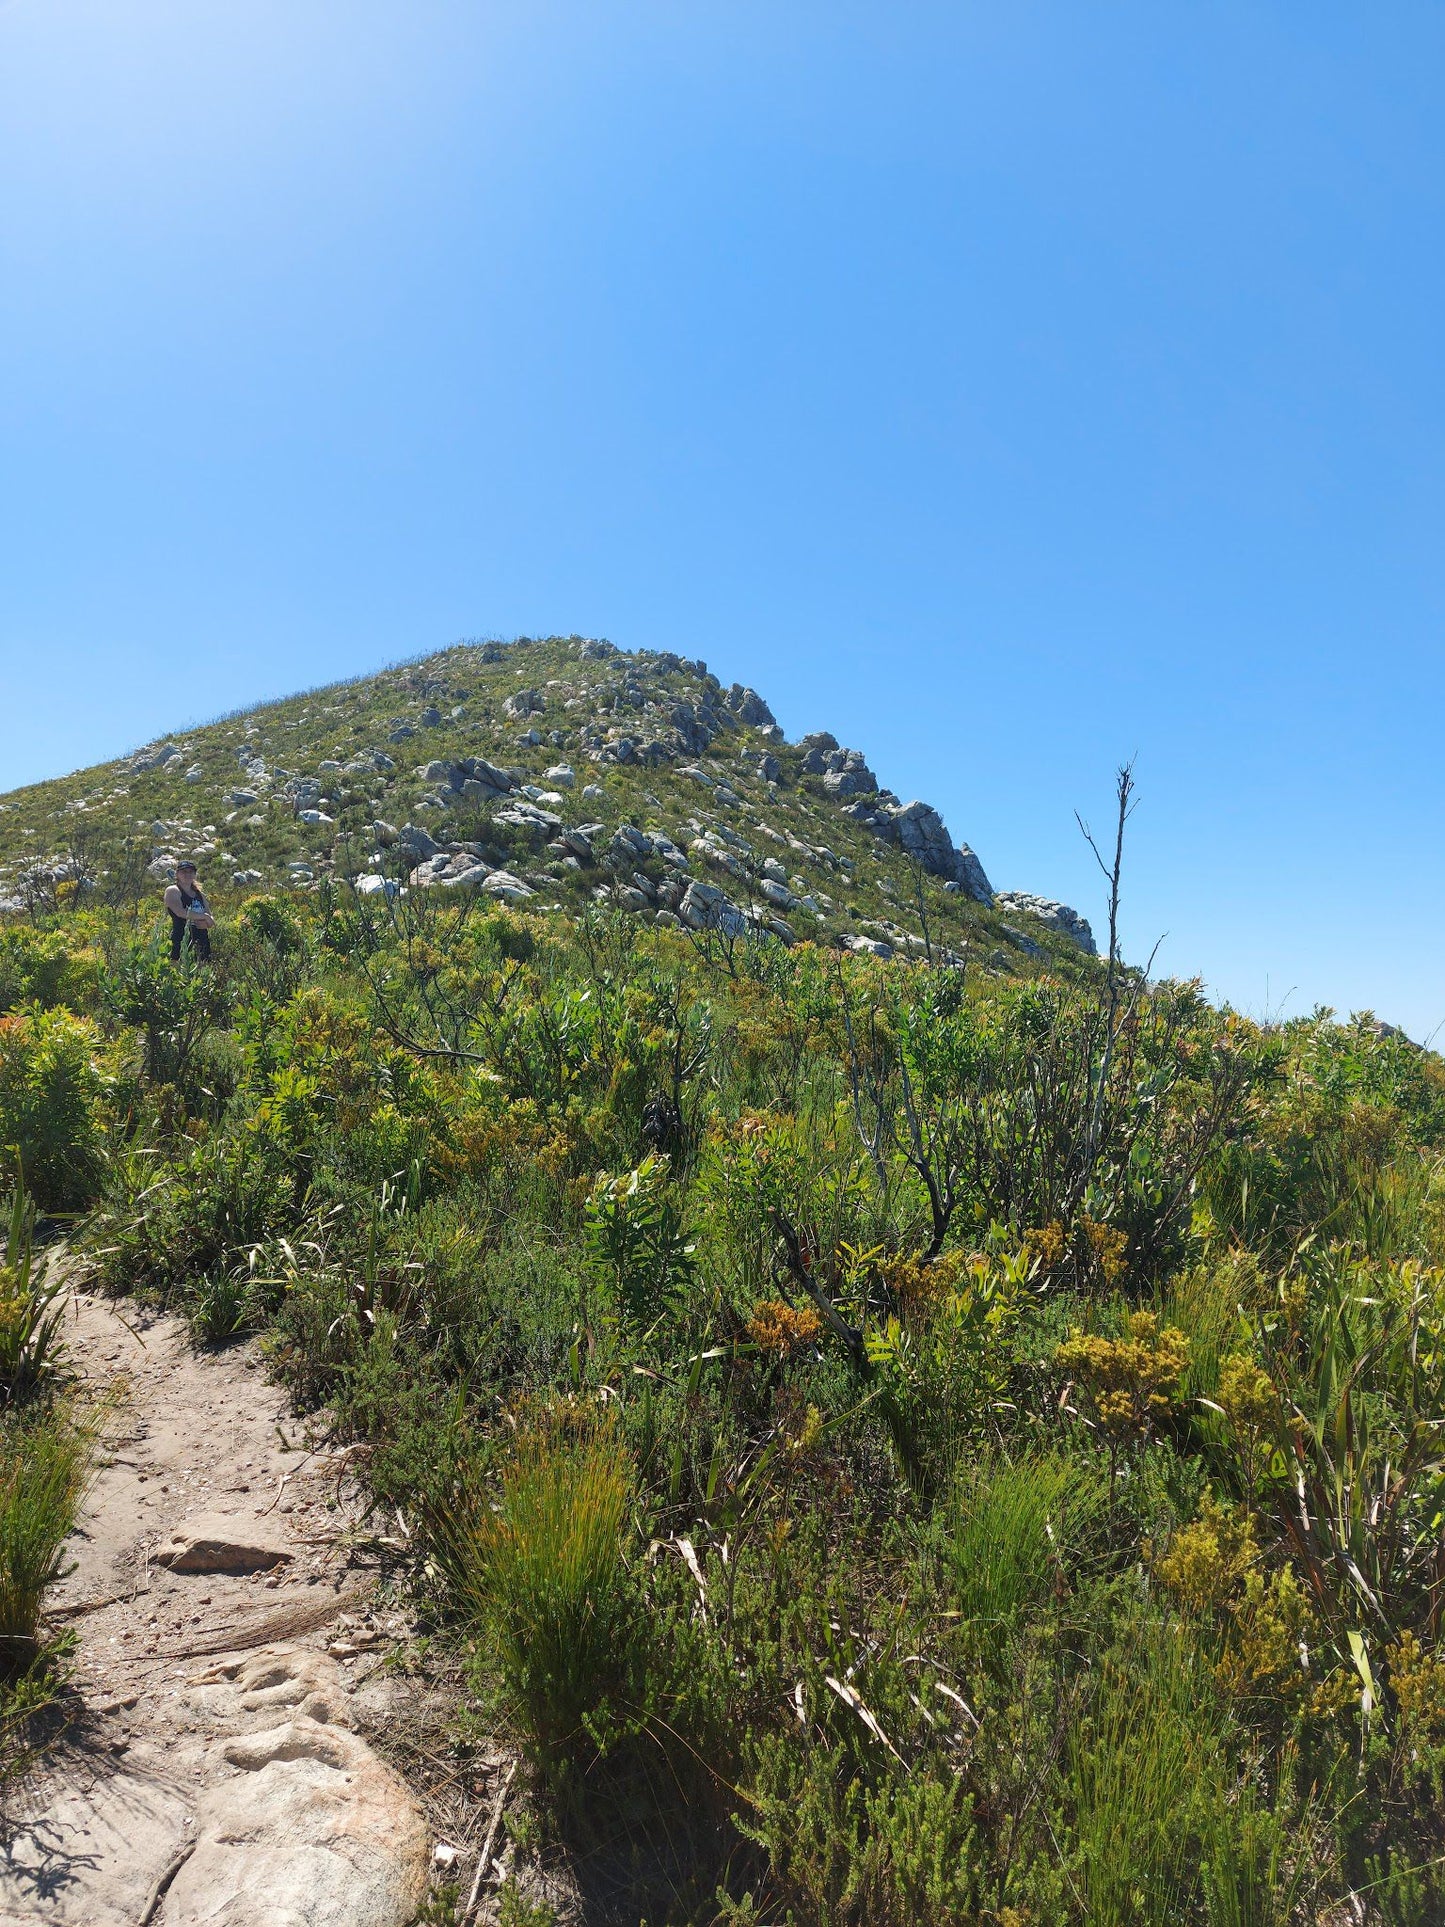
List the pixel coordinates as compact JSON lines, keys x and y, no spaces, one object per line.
{"x":1011,"y":393}
{"x":1276,"y":1000}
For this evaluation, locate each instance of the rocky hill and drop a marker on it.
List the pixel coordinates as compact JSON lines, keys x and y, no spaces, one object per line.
{"x":548,"y":773}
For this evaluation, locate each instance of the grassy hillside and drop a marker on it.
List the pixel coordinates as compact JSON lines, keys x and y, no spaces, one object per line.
{"x":322,"y":786}
{"x":949,"y":1436}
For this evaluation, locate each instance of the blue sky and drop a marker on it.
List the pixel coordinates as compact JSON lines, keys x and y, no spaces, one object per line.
{"x":1010,"y":389}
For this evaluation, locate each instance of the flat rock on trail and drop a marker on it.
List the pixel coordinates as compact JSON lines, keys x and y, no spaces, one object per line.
{"x":213,"y":1776}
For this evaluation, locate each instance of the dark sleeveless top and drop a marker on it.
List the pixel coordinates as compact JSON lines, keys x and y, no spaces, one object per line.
{"x":183,"y":932}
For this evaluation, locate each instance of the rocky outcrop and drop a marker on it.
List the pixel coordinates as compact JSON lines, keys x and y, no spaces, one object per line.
{"x":748,"y":706}
{"x":153,"y":756}
{"x":1055,"y":916}
{"x":919,"y":831}
{"x":522,"y":703}
{"x":472,"y":779}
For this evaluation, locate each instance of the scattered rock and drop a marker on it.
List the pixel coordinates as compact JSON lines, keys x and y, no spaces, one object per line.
{"x":216,"y":1544}
{"x":511,"y":889}
{"x":1055,"y":916}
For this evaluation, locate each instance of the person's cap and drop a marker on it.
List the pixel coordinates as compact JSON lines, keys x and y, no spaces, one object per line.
{"x":185,"y":864}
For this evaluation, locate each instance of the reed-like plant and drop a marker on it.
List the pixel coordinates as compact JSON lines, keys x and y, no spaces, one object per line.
{"x":44,"y":1465}
{"x":32,"y":1345}
{"x":545,"y":1573}
{"x":1021,"y":1532}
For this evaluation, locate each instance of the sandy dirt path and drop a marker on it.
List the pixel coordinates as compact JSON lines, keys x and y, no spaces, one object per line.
{"x":148,"y":1811}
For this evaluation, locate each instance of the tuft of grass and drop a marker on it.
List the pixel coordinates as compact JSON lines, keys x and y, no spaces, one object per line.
{"x":1147,"y":1777}
{"x":1020,"y":1531}
{"x":547,"y":1575}
{"x":31,"y":1344}
{"x":220,"y":1308}
{"x":44,"y":1467}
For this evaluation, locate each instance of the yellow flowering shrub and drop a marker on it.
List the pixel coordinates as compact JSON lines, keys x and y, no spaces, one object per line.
{"x":780,"y":1330}
{"x":1126,"y":1383}
{"x":1205,"y":1561}
{"x":1272,"y":1638}
{"x":1417,"y":1676}
{"x":1108,"y":1245}
{"x":919,"y":1287}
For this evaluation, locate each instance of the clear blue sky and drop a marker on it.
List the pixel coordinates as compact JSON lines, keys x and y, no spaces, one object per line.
{"x":1008,"y":388}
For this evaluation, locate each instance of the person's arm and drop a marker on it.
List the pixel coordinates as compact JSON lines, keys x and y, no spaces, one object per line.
{"x":173,"y":901}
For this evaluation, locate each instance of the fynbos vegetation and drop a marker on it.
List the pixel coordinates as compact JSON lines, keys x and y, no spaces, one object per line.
{"x":953,"y":1436}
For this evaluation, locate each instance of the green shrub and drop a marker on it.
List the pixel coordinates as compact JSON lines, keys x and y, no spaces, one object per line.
{"x":172,"y":1005}
{"x":50,"y":1093}
{"x":265,"y":949}
{"x":635,"y":1243}
{"x":46,"y":968}
{"x":163,"y":1221}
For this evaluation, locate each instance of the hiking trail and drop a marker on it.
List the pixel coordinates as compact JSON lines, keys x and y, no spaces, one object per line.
{"x":228,"y":1660}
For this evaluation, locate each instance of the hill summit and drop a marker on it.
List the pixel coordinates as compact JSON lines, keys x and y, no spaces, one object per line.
{"x":550,"y":773}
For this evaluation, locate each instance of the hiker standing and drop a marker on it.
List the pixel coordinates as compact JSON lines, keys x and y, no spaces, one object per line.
{"x":191,"y":921}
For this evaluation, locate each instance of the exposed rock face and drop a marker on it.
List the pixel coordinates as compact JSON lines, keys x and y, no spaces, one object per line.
{"x":254,"y":1690}
{"x":748,"y":706}
{"x":969,"y":875}
{"x":130,"y":1826}
{"x":919,"y":832}
{"x":309,"y":1829}
{"x":1057,"y":916}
